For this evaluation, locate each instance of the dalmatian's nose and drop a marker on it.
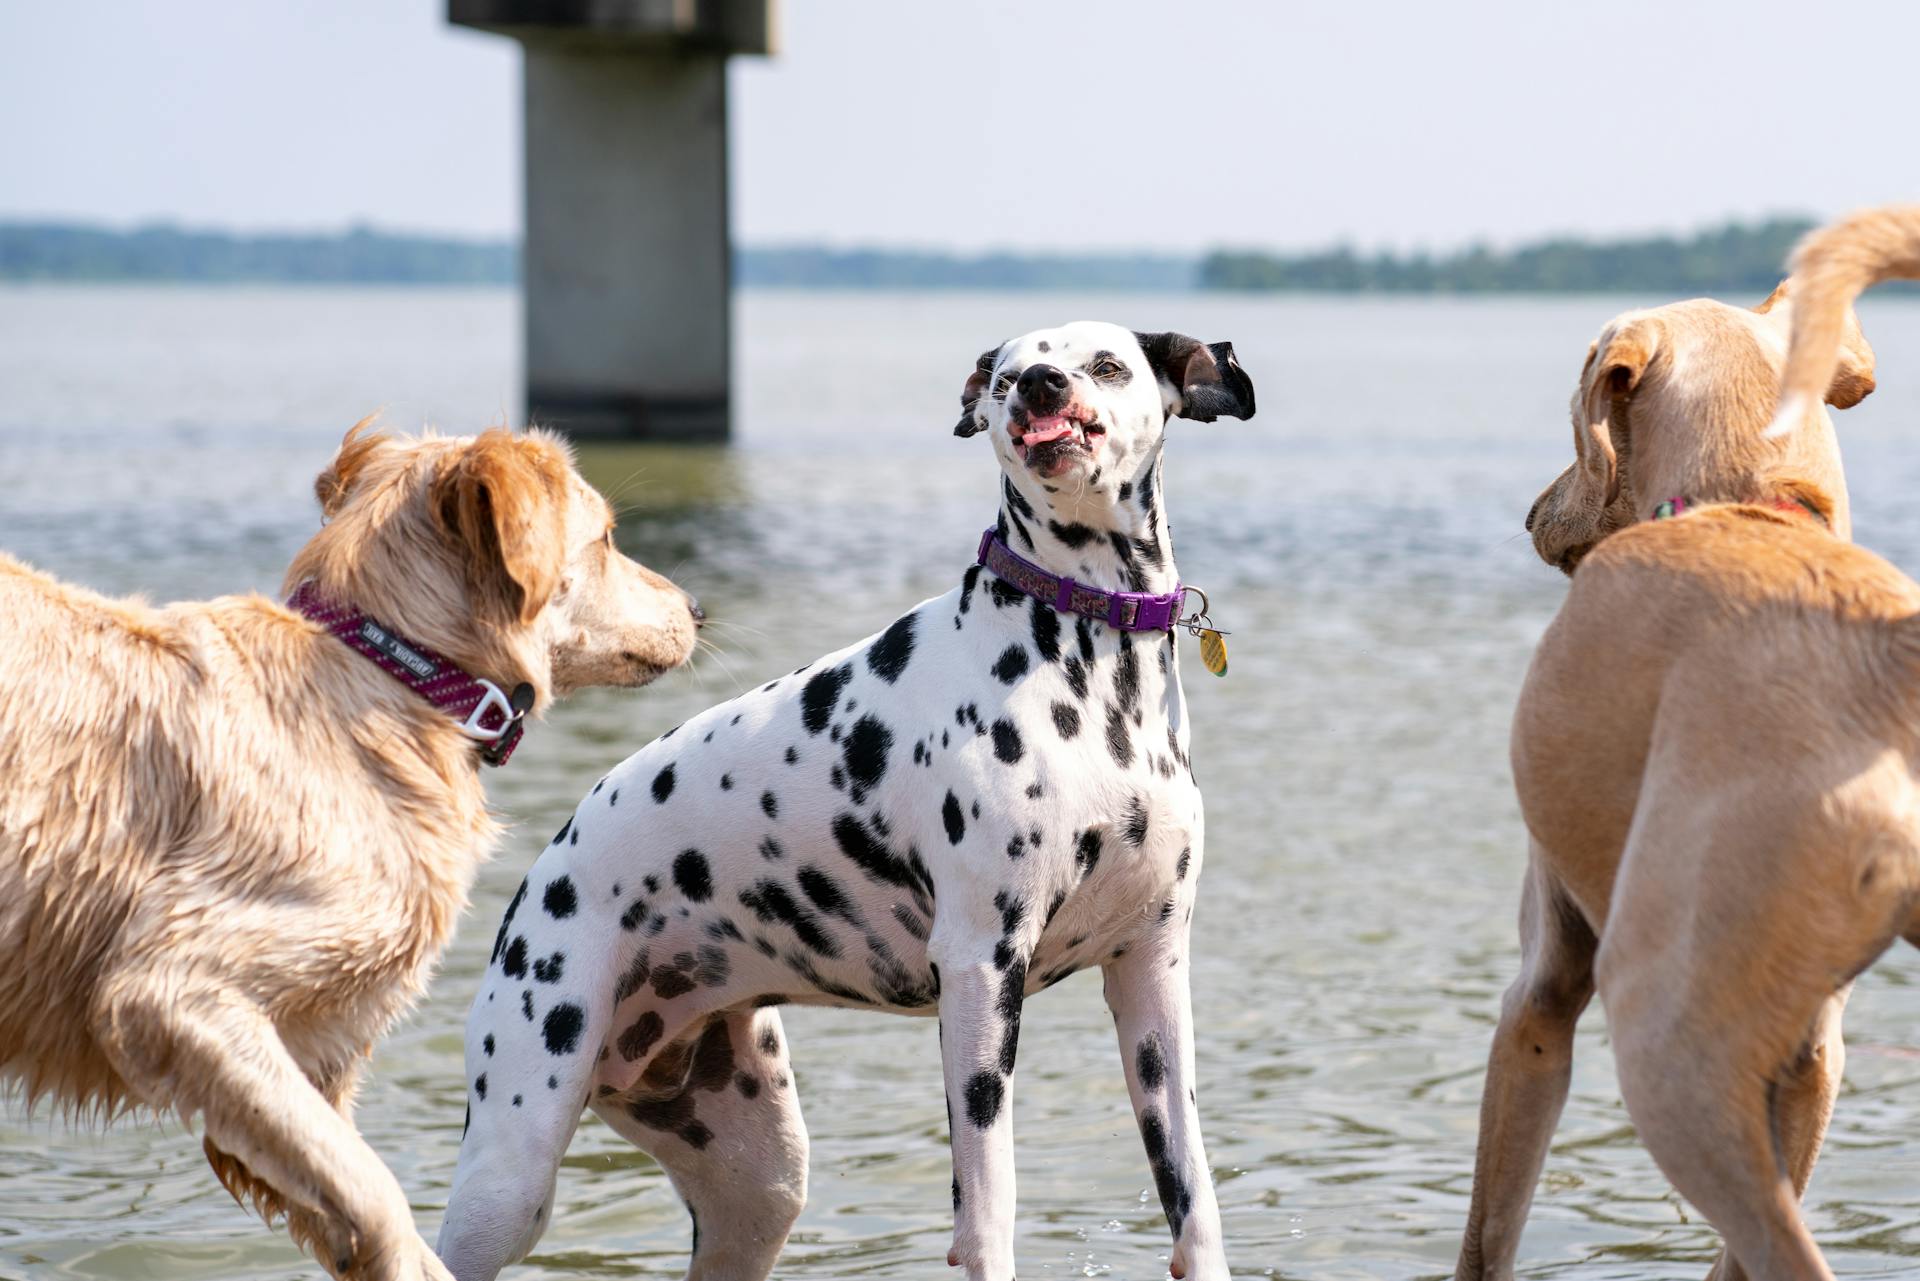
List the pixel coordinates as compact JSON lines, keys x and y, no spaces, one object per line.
{"x":1043,"y":388}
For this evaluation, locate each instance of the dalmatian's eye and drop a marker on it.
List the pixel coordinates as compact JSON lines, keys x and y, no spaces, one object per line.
{"x":1105,"y":369}
{"x":1002,"y":385}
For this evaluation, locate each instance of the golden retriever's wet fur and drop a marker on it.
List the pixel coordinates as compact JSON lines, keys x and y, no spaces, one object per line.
{"x":1715,"y":753}
{"x":231,"y":848}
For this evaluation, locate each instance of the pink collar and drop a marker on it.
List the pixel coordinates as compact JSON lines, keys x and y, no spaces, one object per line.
{"x":484,"y":713}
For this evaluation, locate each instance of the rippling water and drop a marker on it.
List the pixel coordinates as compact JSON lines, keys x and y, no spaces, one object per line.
{"x":1361,"y":538}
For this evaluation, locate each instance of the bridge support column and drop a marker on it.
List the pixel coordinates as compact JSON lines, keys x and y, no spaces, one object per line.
{"x":626,"y":263}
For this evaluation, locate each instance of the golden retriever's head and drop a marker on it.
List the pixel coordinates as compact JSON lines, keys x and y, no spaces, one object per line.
{"x":1675,"y":402}
{"x":492,"y":549}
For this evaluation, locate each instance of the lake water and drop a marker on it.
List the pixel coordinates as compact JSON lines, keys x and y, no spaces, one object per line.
{"x":1362,"y":540}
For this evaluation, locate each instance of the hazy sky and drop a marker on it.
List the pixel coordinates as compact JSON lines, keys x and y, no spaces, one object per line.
{"x":1147,"y":124}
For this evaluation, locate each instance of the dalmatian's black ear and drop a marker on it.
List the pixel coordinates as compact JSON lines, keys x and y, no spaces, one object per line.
{"x":971,"y":421}
{"x":1203,"y":381}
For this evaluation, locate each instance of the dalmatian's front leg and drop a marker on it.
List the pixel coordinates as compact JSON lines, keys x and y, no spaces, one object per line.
{"x":980,"y":1003}
{"x":1146,"y":989}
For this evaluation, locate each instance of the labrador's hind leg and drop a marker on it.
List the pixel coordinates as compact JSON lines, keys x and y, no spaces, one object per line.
{"x":719,"y":1111}
{"x":1529,"y":1069}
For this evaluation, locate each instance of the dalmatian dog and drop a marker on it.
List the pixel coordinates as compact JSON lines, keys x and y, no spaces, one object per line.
{"x":987,"y":796}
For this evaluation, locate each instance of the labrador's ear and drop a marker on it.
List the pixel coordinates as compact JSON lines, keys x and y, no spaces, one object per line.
{"x":1201,"y":381}
{"x":333,"y":485}
{"x":1614,"y":367}
{"x":1853,"y":378}
{"x":499,"y":501}
{"x":972,"y":420}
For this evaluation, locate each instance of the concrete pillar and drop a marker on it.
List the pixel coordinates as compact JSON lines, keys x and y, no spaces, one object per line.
{"x":627,"y":259}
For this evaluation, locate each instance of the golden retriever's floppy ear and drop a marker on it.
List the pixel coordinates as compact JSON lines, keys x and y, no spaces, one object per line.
{"x":1853,"y":374}
{"x":333,"y":485}
{"x":1613,"y":371}
{"x":972,"y":422}
{"x":1204,"y":380}
{"x":500,"y":501}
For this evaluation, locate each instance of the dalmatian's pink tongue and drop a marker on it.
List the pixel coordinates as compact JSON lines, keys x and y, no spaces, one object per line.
{"x":1041,"y":430}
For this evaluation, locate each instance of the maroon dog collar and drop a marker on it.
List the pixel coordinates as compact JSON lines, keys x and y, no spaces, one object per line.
{"x":1128,"y":611}
{"x":484,"y":713}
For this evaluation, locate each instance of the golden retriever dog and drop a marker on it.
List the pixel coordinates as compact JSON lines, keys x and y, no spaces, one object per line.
{"x":233,"y":844}
{"x":1715,"y":753}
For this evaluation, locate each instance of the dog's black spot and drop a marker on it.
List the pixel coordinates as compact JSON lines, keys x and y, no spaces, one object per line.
{"x":1118,"y":742}
{"x":769,"y":1041}
{"x":770,"y":901}
{"x":866,"y":748}
{"x":1126,"y":490}
{"x":1012,"y":997}
{"x":726,"y":782}
{"x":1066,"y":719}
{"x":1011,"y":665}
{"x":826,"y":893}
{"x":668,"y":984}
{"x":771,"y":850}
{"x":1175,"y":1197}
{"x":1151,"y":1063}
{"x":642,"y":1036}
{"x":561,"y":1028}
{"x":820,"y":693}
{"x":636,"y":912}
{"x":1186,"y":861}
{"x":514,"y":963}
{"x":516,"y":1100}
{"x":1126,"y":678}
{"x":548,"y":969}
{"x":1006,"y":742}
{"x":770,"y":805}
{"x":692,"y":874}
{"x":486,"y":1045}
{"x":1044,"y":346}
{"x":1073,"y":534}
{"x":859,"y":844}
{"x":888,"y":656}
{"x":1053,"y":908}
{"x":560,"y":900}
{"x":984,"y":1093}
{"x":526,"y":1004}
{"x":1046,"y":632}
{"x":967,"y":581}
{"x":749,"y":1086}
{"x":500,"y":936}
{"x":793,"y":756}
{"x":1086,"y":855}
{"x":1136,"y":821}
{"x":1004,"y":594}
{"x":1014,"y":498}
{"x":953,"y":819}
{"x":1083,"y":634}
{"x":1017,"y":847}
{"x":1076,"y":677}
{"x":480,"y":1086}
{"x":663,"y":784}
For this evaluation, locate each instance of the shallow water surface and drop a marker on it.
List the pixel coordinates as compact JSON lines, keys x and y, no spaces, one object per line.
{"x":1362,"y":540}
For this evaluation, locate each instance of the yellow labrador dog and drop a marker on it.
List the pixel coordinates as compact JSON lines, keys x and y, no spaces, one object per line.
{"x":235,"y":835}
{"x":1715,"y":754}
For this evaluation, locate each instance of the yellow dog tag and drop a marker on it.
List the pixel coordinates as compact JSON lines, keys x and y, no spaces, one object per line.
{"x":1213,"y":651}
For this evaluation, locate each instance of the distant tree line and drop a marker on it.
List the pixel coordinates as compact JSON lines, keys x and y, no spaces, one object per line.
{"x":1736,"y":260}
{"x":805,"y":267}
{"x":55,"y":251}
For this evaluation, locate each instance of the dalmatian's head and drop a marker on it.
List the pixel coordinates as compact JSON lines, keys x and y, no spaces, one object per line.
{"x":1080,"y":410}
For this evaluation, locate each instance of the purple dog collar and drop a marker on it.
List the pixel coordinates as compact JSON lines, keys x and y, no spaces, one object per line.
{"x":483,"y":711}
{"x":1128,"y":611}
